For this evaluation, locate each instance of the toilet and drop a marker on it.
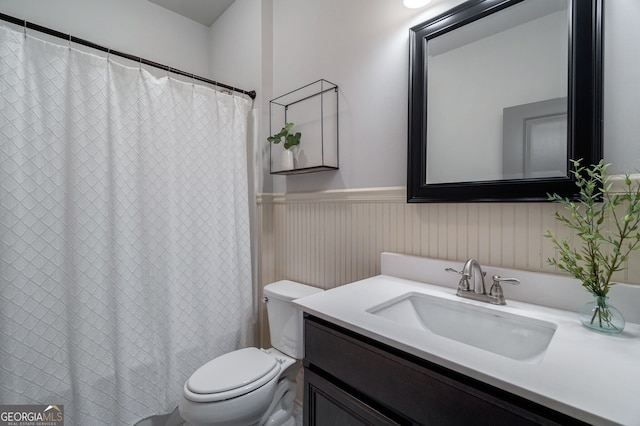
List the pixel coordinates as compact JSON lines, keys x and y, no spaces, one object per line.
{"x":253,"y":386}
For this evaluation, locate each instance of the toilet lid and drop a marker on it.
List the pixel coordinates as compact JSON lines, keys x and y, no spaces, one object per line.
{"x":231,"y":371}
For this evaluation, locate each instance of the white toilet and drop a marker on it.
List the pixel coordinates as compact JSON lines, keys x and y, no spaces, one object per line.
{"x":253,"y":386}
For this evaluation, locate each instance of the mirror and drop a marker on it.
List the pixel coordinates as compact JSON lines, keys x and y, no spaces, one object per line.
{"x":502,"y":94}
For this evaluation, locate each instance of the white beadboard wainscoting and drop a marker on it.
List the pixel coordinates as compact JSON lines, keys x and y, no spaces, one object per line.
{"x":331,"y":238}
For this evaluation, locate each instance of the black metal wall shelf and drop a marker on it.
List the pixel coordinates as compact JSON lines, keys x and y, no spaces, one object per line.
{"x":314,"y":111}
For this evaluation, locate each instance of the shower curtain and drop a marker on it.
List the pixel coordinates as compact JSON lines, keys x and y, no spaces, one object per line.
{"x":124,"y":232}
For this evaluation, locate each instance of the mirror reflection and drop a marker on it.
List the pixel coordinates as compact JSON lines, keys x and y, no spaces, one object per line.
{"x":497,"y":96}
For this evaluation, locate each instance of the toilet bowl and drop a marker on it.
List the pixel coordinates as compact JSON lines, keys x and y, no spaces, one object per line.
{"x":252,"y":386}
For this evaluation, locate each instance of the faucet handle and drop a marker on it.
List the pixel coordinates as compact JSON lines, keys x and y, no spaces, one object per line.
{"x":498,"y":279}
{"x":496,"y":289}
{"x":464,"y":281}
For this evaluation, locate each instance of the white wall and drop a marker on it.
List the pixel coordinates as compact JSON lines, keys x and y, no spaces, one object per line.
{"x":236,"y":51}
{"x":528,"y":53}
{"x":362,"y":45}
{"x":236,"y":60}
{"x":137,"y":27}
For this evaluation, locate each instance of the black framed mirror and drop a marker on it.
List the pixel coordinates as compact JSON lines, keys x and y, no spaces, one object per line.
{"x":502,"y":94}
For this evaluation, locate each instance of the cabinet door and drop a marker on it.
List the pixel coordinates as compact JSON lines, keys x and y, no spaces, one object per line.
{"x":327,"y":405}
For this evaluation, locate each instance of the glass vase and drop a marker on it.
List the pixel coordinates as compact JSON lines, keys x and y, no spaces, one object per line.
{"x":599,"y":315}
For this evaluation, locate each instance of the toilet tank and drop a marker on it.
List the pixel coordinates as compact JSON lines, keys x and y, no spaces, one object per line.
{"x":285,"y":321}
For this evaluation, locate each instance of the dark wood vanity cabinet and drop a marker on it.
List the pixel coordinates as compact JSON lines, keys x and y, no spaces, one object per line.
{"x":350,"y":379}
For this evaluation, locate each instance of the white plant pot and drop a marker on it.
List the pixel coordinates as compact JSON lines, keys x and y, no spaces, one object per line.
{"x":286,"y":160}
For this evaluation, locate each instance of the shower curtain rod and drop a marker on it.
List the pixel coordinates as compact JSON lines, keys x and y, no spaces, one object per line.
{"x":30,"y":25}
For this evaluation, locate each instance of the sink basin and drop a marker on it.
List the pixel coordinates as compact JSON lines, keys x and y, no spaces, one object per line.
{"x":514,"y":336}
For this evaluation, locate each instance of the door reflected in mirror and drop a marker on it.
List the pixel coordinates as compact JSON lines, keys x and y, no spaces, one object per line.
{"x":534,"y":140}
{"x":487,"y":85}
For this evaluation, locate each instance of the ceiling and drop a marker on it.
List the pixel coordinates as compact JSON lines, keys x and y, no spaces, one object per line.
{"x":203,"y":11}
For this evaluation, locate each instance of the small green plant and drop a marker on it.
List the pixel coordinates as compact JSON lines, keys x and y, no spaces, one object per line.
{"x":290,"y":140}
{"x":605,"y":224}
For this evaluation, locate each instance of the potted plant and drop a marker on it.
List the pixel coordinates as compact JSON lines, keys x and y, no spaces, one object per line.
{"x":290,"y":140}
{"x":605,"y":224}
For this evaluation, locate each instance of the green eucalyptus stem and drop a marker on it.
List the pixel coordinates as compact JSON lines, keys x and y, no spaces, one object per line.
{"x":602,"y":253}
{"x":596,"y":311}
{"x":603,"y":313}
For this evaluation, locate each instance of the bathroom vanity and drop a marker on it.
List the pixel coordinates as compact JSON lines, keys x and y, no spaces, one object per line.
{"x":368,"y":359}
{"x":350,"y":379}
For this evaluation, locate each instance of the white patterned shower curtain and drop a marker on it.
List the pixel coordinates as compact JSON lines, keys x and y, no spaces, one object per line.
{"x":124,"y":232}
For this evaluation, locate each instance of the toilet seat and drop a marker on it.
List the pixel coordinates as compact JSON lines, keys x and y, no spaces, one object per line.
{"x":231,"y":375}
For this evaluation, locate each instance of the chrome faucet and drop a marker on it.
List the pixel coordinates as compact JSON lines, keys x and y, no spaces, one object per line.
{"x":471,"y":285}
{"x":473,"y":270}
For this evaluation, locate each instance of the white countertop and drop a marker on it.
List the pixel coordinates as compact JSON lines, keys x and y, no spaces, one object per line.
{"x":588,"y":375}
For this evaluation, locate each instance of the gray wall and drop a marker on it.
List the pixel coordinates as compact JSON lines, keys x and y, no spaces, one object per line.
{"x":362,"y":45}
{"x":275,"y":46}
{"x":137,"y":27}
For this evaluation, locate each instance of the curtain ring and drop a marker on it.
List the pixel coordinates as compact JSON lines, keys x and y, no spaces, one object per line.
{"x":108,"y":54}
{"x":168,"y":71}
{"x":24,"y":29}
{"x":193,"y":80}
{"x":140,"y":63}
{"x":69,"y":41}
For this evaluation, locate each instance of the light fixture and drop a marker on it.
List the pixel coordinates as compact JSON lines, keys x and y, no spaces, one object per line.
{"x":414,"y":4}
